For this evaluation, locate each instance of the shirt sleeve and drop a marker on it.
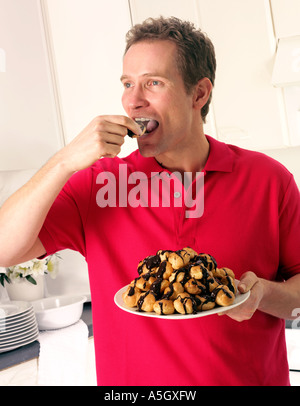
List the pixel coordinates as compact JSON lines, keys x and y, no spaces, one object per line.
{"x":64,"y":225}
{"x":289,"y":229}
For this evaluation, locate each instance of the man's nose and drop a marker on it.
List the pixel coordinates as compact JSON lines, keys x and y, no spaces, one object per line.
{"x":137,"y":98}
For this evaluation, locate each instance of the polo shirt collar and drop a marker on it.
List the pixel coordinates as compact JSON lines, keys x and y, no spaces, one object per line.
{"x":220,"y":159}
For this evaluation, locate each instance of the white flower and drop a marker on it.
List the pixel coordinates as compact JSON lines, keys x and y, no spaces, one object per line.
{"x":35,"y":267}
{"x":39,"y":268}
{"x":52,"y":267}
{"x":25,"y":265}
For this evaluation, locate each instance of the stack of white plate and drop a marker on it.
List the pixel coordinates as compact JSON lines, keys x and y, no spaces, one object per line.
{"x":18,"y":325}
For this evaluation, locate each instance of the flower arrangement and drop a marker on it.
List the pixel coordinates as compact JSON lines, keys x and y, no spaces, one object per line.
{"x":30,"y":270}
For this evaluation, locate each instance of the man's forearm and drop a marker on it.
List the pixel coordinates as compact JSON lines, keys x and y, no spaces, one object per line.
{"x":280,"y":299}
{"x":23,"y":214}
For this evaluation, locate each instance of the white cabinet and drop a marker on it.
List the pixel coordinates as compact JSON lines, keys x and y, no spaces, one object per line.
{"x":87,"y":39}
{"x":184,"y":9}
{"x":286,"y":16}
{"x":29,"y":128}
{"x":249,"y":111}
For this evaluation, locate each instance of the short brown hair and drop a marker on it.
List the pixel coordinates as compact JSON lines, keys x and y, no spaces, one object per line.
{"x":195,"y":51}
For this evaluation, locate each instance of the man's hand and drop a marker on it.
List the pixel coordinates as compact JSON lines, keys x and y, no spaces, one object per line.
{"x":103,"y":137}
{"x":24,"y":213}
{"x":279,"y":299}
{"x":248,"y":282}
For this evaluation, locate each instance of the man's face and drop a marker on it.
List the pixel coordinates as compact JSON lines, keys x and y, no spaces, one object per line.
{"x":154,"y":89}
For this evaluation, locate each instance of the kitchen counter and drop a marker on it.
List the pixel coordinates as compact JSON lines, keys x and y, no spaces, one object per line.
{"x":24,"y":359}
{"x":31,"y":351}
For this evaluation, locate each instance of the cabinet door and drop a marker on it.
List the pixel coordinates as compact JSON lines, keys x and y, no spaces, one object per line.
{"x":249,"y":111}
{"x":29,"y":128}
{"x":88,"y":40}
{"x":286,"y":17}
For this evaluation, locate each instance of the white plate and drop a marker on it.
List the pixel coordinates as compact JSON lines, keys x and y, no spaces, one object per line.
{"x":17,"y":330}
{"x":13,"y":309}
{"x":18,"y":320}
{"x":26,"y":341}
{"x":14,"y":340}
{"x":239,"y":299}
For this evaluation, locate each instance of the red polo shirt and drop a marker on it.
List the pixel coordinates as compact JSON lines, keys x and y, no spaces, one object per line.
{"x":250,"y":221}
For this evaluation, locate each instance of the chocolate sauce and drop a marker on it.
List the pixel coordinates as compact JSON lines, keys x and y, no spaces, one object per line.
{"x":184,"y":301}
{"x":217,"y":289}
{"x":229,"y":284}
{"x":161,"y":269}
{"x":150,"y":262}
{"x":155,"y":287}
{"x":141,"y":300}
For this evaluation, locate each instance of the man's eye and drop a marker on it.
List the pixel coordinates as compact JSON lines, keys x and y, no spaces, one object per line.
{"x":154,"y":83}
{"x":127,"y":85}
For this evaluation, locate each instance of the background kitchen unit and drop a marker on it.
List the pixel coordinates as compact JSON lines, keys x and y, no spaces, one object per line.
{"x":60,"y":64}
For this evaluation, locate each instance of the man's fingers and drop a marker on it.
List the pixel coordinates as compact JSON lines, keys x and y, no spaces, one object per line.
{"x":247,"y":281}
{"x":120,"y":125}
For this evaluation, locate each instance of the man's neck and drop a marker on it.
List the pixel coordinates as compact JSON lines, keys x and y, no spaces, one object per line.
{"x":192,"y":158}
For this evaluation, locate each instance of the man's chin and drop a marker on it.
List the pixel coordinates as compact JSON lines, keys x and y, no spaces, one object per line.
{"x":146,"y":154}
{"x":147,"y":151}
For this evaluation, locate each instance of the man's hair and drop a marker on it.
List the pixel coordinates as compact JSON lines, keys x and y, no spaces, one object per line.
{"x":195,"y":51}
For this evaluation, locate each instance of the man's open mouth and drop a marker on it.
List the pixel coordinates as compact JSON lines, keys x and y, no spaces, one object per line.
{"x":147,"y":126}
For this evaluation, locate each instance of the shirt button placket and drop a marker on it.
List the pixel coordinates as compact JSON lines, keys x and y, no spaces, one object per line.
{"x":178,"y":202}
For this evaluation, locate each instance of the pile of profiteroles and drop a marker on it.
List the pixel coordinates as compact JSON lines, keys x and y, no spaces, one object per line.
{"x":180,"y":282}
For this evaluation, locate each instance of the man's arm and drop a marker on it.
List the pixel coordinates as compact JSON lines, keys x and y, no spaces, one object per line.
{"x":23,"y":214}
{"x":279,"y":299}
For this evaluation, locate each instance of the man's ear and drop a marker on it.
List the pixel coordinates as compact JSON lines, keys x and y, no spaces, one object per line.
{"x":201,"y":94}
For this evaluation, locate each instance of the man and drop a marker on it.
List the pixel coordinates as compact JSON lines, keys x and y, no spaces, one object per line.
{"x":250,"y":222}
